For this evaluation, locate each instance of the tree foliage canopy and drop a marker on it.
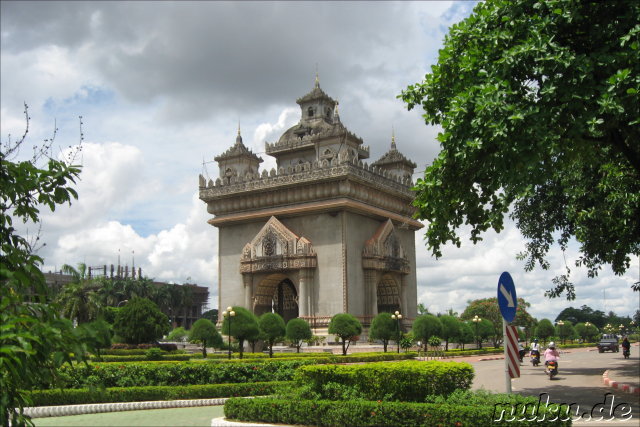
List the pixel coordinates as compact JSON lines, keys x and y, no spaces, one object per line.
{"x":384,"y":328}
{"x":243,"y":327}
{"x":141,"y":321}
{"x":204,"y":332}
{"x":345,"y":326}
{"x":272,"y":328}
{"x":539,"y":106}
{"x":426,"y":326}
{"x":35,"y":340}
{"x":297,"y":331}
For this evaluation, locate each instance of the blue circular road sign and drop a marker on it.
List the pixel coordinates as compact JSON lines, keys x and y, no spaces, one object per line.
{"x":507,"y":299}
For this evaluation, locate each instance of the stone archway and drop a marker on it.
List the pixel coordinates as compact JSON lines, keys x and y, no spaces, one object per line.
{"x":276,"y":294}
{"x":388,"y":295}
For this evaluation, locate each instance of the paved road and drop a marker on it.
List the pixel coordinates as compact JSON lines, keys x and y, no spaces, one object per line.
{"x":579,"y":382}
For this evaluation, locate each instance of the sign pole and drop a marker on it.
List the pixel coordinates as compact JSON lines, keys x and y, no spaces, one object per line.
{"x":505,"y":344}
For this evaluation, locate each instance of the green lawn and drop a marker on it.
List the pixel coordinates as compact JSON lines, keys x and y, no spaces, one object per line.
{"x":195,"y":416}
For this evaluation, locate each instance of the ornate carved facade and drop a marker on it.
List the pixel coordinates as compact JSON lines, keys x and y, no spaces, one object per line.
{"x":322,"y":233}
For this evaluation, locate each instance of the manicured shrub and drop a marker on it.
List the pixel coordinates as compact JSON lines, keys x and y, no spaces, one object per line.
{"x":272,"y":329}
{"x":369,"y":413}
{"x":244,"y":326}
{"x":384,"y":328}
{"x":153,"y":354}
{"x":141,"y":321}
{"x":177,"y":373}
{"x":138,"y":394}
{"x":409,"y":381}
{"x":345,"y":326}
{"x":297,"y":331}
{"x":204,"y":332}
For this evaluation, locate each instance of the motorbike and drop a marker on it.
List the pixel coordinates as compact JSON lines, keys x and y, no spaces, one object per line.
{"x":552,"y":369}
{"x":626,"y":353}
{"x":535,"y":358}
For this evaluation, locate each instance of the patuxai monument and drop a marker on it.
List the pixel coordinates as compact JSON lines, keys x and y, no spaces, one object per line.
{"x":322,"y":233}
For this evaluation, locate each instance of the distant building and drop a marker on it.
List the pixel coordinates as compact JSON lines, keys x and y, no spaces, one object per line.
{"x":183,"y":318}
{"x":322,"y":233}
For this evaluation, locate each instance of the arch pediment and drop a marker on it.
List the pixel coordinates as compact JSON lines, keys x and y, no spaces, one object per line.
{"x":384,"y":251}
{"x":276,"y":247}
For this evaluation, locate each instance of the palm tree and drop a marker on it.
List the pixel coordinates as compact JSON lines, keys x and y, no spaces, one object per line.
{"x":162,"y":297}
{"x":78,"y":299}
{"x":175,"y":303}
{"x":109,"y":292}
{"x":187,"y":301}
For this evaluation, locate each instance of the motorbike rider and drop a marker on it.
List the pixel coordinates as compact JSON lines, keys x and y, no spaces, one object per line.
{"x":626,"y":345}
{"x":535,"y":349}
{"x":551,"y":354}
{"x":520,"y":351}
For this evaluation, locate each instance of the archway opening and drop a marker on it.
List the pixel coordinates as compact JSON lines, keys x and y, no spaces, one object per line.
{"x":277,"y":294}
{"x":388,"y":295}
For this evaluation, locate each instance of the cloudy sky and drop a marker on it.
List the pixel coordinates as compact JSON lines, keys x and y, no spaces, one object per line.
{"x":162,"y":87}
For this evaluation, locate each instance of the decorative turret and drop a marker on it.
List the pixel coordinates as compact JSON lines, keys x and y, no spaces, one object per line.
{"x":238,"y":162}
{"x":395,"y":162}
{"x":319,"y":136}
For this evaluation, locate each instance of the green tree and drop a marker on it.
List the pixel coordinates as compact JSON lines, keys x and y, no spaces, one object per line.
{"x":384,"y":328}
{"x":204,"y":332}
{"x":345,"y":326}
{"x":244,"y":327}
{"x":488,"y":309}
{"x":586,"y":331}
{"x":96,"y":335}
{"x":140,"y":321}
{"x":565,"y":330}
{"x":35,"y":340}
{"x":297,"y":332}
{"x":422,"y":309}
{"x":272,"y":328}
{"x":465,"y":335}
{"x":450,"y":329}
{"x":426,"y":326}
{"x":178,"y":334}
{"x":545,"y":330}
{"x":79,"y":299}
{"x":211,"y":315}
{"x":539,"y":108}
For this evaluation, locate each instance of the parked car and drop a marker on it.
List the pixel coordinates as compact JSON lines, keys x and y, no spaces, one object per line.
{"x":608,"y":343}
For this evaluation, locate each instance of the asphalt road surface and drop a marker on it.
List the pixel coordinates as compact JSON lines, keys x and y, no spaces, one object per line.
{"x":579,"y":383}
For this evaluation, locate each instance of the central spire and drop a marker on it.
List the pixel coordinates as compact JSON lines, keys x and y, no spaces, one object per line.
{"x":239,"y":137}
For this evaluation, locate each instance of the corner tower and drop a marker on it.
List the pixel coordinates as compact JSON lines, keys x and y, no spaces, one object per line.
{"x":323,"y":232}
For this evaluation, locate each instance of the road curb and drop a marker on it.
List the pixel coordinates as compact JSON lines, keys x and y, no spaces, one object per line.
{"x":628,"y":388}
{"x":95,"y":408}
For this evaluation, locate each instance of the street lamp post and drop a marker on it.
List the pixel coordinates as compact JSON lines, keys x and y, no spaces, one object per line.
{"x":229,"y":313}
{"x":621,"y":327}
{"x":587,"y":327}
{"x":397,"y":316}
{"x":477,"y":320}
{"x":560,"y":330}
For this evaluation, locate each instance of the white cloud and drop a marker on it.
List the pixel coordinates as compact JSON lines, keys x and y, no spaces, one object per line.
{"x":161,"y":88}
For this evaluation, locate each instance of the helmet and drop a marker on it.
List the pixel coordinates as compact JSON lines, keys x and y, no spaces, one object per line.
{"x":536,"y":340}
{"x":552,"y":344}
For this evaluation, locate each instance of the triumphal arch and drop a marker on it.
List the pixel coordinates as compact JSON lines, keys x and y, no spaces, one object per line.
{"x":322,"y":233}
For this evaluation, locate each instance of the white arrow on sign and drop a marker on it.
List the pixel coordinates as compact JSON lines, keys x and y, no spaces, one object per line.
{"x":507,"y":295}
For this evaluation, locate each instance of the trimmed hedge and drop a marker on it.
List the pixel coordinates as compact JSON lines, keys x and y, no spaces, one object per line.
{"x":143,"y":357}
{"x":409,"y":381}
{"x":140,"y":394}
{"x":104,"y":375}
{"x":365,"y":413}
{"x":259,"y":357}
